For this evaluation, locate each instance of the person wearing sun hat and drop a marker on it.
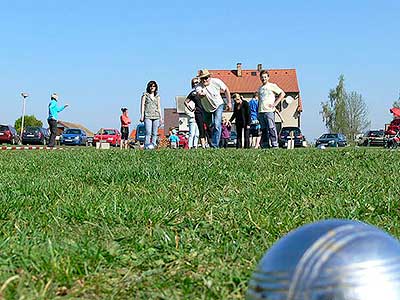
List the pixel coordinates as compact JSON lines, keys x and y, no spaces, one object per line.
{"x":212,"y":101}
{"x":52,"y":119}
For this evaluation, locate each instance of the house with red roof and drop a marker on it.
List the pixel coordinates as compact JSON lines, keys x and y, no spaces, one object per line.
{"x":246,"y":83}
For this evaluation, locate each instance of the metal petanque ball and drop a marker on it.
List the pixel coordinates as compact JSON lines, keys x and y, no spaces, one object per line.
{"x":329,"y":260}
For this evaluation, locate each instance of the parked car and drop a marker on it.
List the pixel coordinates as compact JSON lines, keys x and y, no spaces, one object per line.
{"x":35,"y":135}
{"x":374,"y":138}
{"x":232,"y":139}
{"x":108,"y":135}
{"x":73,"y":136}
{"x":331,"y":140}
{"x":9,"y":135}
{"x":284,"y":136}
{"x":89,"y":141}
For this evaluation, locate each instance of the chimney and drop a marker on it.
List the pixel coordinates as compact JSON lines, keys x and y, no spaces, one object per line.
{"x":259,"y":67}
{"x":239,"y":69}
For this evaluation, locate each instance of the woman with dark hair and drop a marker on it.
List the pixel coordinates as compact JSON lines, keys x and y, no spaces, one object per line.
{"x":150,"y":111}
{"x":125,"y":121}
{"x":241,"y":113}
{"x":198,"y":110}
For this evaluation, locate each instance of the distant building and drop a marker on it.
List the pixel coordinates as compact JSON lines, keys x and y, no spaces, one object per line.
{"x":171,"y":118}
{"x":245,"y":83}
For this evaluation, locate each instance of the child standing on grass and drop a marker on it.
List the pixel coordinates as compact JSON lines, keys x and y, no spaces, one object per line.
{"x":226,"y":132}
{"x":173,"y":139}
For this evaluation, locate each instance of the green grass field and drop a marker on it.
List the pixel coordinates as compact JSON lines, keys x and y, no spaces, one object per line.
{"x":87,"y":224}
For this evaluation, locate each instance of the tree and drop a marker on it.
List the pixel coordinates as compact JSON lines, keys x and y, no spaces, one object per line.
{"x":28,"y":121}
{"x":334,"y":110}
{"x":357,"y":115}
{"x":344,"y":112}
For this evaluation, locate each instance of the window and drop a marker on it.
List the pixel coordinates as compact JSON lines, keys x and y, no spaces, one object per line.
{"x":72,"y":131}
{"x":32,"y":130}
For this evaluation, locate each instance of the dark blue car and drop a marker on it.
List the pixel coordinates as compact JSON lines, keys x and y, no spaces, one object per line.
{"x":331,"y":140}
{"x":73,"y":136}
{"x":285,"y":136}
{"x":35,"y":135}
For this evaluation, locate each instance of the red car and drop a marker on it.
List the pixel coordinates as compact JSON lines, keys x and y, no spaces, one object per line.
{"x":108,"y":135}
{"x":9,"y":135}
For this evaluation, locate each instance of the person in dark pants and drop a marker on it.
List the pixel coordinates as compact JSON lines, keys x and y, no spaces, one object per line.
{"x":198,"y":109}
{"x":270,"y":95}
{"x":125,"y":121}
{"x":241,"y":112}
{"x":213,"y":104}
{"x":54,"y":109}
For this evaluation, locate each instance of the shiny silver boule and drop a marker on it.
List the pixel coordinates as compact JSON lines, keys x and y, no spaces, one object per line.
{"x":329,"y":260}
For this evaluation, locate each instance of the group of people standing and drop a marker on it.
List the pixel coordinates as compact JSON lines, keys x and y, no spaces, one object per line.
{"x":251,"y":117}
{"x":205,"y":106}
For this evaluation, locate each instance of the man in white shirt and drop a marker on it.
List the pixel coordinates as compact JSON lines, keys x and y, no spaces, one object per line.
{"x":213,"y":103}
{"x":266,"y":110}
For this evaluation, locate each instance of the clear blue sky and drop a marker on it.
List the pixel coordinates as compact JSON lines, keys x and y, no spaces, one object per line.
{"x":99,"y":55}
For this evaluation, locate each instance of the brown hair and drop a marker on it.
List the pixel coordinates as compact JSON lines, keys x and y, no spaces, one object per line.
{"x":148,"y":90}
{"x":236,"y":96}
{"x":264,"y":72}
{"x":195,"y":81}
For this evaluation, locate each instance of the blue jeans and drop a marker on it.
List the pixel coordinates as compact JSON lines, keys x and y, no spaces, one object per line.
{"x":217,"y":126}
{"x":268,"y":129}
{"x":193,"y":133}
{"x":151,"y":126}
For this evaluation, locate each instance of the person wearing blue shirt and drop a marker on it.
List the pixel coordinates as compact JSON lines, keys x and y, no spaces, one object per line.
{"x":54,"y":109}
{"x":174,"y":140}
{"x":255,"y":124}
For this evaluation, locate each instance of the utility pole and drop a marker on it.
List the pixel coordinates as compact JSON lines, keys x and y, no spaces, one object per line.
{"x":24,"y":96}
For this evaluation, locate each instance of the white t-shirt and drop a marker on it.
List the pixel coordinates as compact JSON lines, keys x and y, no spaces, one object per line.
{"x":266,"y":94}
{"x":212,"y":92}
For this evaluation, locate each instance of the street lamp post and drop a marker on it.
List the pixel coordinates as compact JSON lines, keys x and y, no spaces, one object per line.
{"x":24,"y":96}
